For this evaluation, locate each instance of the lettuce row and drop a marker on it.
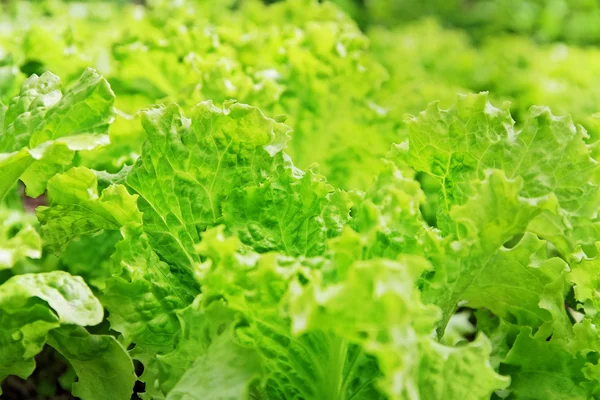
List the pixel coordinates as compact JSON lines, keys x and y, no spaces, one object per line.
{"x":301,"y":58}
{"x":298,"y":58}
{"x":232,"y":265}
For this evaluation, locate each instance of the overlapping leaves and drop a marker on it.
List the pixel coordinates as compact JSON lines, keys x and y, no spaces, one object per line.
{"x":230,"y":273}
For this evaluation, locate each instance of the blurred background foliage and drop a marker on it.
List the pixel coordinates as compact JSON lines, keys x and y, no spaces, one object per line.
{"x":343,"y":71}
{"x":387,"y":58}
{"x":571,"y":21}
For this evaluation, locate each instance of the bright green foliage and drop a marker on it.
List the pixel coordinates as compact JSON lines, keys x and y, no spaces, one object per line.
{"x":439,"y":62}
{"x":18,"y":237}
{"x":519,"y":274}
{"x":541,"y":368}
{"x":394,"y":326}
{"x":44,"y":308}
{"x":301,"y":58}
{"x":338,"y":305}
{"x":227,"y":165}
{"x":183,"y":226}
{"x":218,"y":158}
{"x":317,"y":364}
{"x":32,"y":305}
{"x":103,"y":368}
{"x":78,"y":209}
{"x":208,"y":361}
{"x":549,"y":154}
{"x":42,"y":128}
{"x":327,"y":322}
{"x":458,"y":146}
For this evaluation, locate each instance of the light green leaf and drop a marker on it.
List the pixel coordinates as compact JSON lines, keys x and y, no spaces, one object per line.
{"x":395,"y":327}
{"x":514,"y":280}
{"x":18,"y":237}
{"x":389,"y":218}
{"x":488,"y":219}
{"x":31,"y":305}
{"x":461,"y":372}
{"x":12,"y":166}
{"x":209,"y":363}
{"x":78,"y":209}
{"x":542,"y":369}
{"x":316,"y":364}
{"x":42,"y":128}
{"x":142,"y":298}
{"x":549,"y":153}
{"x":26,"y":111}
{"x":143,"y":295}
{"x":226,"y":165}
{"x":103,"y":367}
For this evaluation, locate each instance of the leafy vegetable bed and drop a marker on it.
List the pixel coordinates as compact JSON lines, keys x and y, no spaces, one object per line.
{"x":184,"y":245}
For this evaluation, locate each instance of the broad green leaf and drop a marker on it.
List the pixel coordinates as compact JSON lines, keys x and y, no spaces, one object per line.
{"x":549,"y":153}
{"x":31,"y":305}
{"x":142,"y":298}
{"x":376,"y":304}
{"x":78,"y":209}
{"x":226,"y":164}
{"x":201,"y":160}
{"x":26,"y":111}
{"x":12,"y":166}
{"x":103,"y":367}
{"x":36,"y":166}
{"x":316,"y":364}
{"x":514,"y":280}
{"x":208,"y":362}
{"x":52,"y":157}
{"x":42,"y":128}
{"x":493,"y":215}
{"x":151,"y":291}
{"x":540,"y":368}
{"x":460,"y":372}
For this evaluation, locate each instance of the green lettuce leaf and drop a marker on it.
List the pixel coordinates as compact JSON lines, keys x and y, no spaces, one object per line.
{"x":394,"y":326}
{"x":533,"y":189}
{"x":43,"y":128}
{"x":78,"y":209}
{"x":19,"y":238}
{"x":549,"y":153}
{"x":514,"y":281}
{"x":209,"y":362}
{"x":227,"y":165}
{"x":541,"y":368}
{"x":31,"y":306}
{"x":317,"y":364}
{"x":103,"y":367}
